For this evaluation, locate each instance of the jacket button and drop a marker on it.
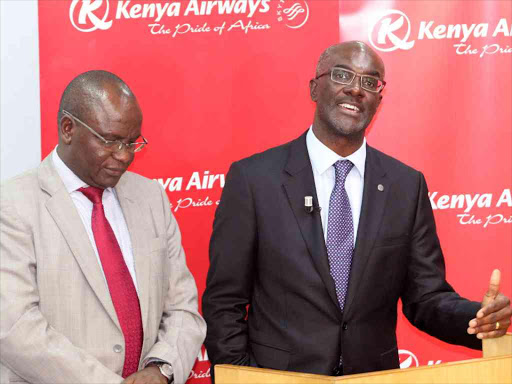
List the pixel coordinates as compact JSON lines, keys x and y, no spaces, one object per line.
{"x":117,"y":348}
{"x":345,"y":326}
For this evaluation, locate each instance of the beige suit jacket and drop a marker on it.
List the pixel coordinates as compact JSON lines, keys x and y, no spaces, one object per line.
{"x":57,"y":320}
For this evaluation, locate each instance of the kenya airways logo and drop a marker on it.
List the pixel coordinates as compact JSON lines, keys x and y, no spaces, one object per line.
{"x":89,"y":15}
{"x":391,"y":30}
{"x":94,"y":15}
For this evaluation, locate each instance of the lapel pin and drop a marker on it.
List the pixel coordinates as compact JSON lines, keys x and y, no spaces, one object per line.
{"x":380,"y":187}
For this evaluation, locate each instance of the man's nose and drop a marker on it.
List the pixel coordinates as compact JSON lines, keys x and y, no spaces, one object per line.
{"x":354,"y":88}
{"x":123,"y":155}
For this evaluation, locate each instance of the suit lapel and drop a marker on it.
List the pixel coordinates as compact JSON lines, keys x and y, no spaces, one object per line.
{"x":63,"y":210}
{"x":372,"y":209}
{"x":301,"y":183}
{"x":134,"y":217}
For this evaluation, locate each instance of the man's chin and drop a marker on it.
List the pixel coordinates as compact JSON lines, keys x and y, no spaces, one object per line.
{"x":348,"y":126}
{"x":349,"y":132}
{"x":106,"y":182}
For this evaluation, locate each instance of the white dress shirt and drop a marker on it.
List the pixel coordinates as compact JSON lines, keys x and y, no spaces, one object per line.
{"x":112,"y":209}
{"x":322,"y":161}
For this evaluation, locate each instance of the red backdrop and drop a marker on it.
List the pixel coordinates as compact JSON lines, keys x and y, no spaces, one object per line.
{"x":448,"y":114}
{"x":219,"y":82}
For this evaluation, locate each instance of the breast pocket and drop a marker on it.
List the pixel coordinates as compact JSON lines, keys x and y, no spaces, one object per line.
{"x":392,"y":241}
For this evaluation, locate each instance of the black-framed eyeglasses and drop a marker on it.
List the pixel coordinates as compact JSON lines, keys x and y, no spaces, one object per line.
{"x":346,"y":77}
{"x":113,"y":145}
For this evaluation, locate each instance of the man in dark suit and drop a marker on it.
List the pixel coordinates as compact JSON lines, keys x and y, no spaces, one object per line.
{"x":320,"y":237}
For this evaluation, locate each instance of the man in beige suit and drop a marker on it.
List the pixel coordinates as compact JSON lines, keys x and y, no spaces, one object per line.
{"x":94,"y":290}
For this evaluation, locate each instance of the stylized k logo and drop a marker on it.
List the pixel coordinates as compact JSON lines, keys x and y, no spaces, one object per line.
{"x":87,"y":14}
{"x":407,"y":359}
{"x":387,"y":30}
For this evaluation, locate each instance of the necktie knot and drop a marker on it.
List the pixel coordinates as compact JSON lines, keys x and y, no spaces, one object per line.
{"x":342,"y":168}
{"x":94,"y":194}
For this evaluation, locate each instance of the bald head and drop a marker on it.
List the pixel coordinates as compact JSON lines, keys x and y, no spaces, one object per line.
{"x":349,"y":47}
{"x":102,"y":111}
{"x":89,"y":90}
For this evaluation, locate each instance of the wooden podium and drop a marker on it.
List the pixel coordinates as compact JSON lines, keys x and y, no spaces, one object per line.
{"x":495,"y":367}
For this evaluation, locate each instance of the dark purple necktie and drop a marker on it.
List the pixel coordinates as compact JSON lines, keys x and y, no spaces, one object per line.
{"x":119,"y":281}
{"x":340,"y":232}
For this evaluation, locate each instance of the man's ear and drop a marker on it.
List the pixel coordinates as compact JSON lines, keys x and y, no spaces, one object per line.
{"x":66,"y":129}
{"x":312,"y":89}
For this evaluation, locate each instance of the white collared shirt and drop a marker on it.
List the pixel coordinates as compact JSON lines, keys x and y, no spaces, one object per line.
{"x":322,"y":161}
{"x":112,"y":209}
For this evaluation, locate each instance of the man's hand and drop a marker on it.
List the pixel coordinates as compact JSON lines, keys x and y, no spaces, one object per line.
{"x":149,"y":375}
{"x":493,"y":319}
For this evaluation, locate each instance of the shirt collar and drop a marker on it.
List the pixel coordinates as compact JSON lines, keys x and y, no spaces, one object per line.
{"x":71,"y":181}
{"x":322,"y":157}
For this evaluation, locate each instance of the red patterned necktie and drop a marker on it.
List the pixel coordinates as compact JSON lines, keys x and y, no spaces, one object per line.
{"x":120,"y":283}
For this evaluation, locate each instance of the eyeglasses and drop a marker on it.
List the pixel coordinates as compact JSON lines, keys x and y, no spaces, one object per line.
{"x":346,"y":77}
{"x":113,"y":145}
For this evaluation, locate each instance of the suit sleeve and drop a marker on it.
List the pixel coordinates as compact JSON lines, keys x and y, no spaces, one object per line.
{"x":182,"y":329}
{"x":233,"y":249}
{"x":429,"y":302}
{"x":30,"y":346}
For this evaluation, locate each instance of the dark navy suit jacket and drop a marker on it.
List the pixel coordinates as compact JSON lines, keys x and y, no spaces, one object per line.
{"x":268,"y":255}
